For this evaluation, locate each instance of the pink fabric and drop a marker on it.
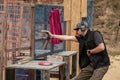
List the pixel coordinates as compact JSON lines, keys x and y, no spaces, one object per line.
{"x":55,"y":25}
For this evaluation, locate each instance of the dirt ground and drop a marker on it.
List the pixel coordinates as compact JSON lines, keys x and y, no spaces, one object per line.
{"x":114,"y":69}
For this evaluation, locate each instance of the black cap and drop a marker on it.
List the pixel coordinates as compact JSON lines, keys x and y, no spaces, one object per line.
{"x":81,"y":25}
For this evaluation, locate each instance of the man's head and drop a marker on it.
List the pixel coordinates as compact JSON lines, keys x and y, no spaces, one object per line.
{"x":81,"y":28}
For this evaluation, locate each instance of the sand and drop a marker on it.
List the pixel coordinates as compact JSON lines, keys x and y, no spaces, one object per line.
{"x":114,"y":69}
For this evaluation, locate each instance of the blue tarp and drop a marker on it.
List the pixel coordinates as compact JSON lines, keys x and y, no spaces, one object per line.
{"x":89,"y":17}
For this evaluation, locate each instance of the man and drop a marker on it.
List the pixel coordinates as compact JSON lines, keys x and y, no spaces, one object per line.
{"x":94,"y":61}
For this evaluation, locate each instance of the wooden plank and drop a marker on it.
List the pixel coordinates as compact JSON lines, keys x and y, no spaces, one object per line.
{"x":62,"y":72}
{"x":20,"y":28}
{"x":16,"y":49}
{"x":2,"y":53}
{"x":78,"y":67}
{"x":84,"y":8}
{"x":67,"y":10}
{"x":10,"y":74}
{"x":45,"y":75}
{"x":68,"y":31}
{"x":67,"y":67}
{"x":32,"y":74}
{"x":75,"y":18}
{"x":74,"y":66}
{"x":32,"y":33}
{"x":2,"y":12}
{"x":66,"y":53}
{"x":4,"y":42}
{"x":34,"y":65}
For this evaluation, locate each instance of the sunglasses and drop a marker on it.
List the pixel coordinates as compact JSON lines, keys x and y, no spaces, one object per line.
{"x":76,"y":29}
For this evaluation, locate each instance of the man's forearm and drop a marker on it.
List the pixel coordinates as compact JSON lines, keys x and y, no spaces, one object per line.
{"x":98,"y":49}
{"x":61,"y":37}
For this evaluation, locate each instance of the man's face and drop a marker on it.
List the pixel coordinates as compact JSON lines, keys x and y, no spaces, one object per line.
{"x":78,"y":32}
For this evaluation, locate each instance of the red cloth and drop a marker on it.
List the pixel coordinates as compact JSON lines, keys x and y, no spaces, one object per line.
{"x":55,"y":25}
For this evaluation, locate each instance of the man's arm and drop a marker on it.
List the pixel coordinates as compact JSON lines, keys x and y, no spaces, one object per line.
{"x":63,"y":37}
{"x":96,"y":50}
{"x":99,"y":42}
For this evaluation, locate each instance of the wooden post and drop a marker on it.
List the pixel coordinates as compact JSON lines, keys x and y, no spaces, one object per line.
{"x":67,"y":10}
{"x":68,"y":31}
{"x":10,"y":74}
{"x":84,"y":8}
{"x":62,"y":72}
{"x":4,"y":42}
{"x":32,"y":33}
{"x":67,"y":18}
{"x":20,"y":27}
{"x":67,"y":67}
{"x":74,"y":65}
{"x":32,"y":74}
{"x":75,"y":18}
{"x":45,"y":75}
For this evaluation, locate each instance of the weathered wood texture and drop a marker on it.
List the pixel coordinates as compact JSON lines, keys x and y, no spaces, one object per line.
{"x":84,"y":8}
{"x":68,"y":31}
{"x":74,"y":10}
{"x":32,"y":75}
{"x":32,"y":33}
{"x":45,"y":70}
{"x":10,"y":74}
{"x":75,"y":18}
{"x":67,"y":17}
{"x":67,"y":10}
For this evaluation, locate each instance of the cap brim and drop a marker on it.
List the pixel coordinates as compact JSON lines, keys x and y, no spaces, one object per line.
{"x":76,"y":28}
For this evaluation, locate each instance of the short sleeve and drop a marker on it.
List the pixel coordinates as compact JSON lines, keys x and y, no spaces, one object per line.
{"x":98,"y":38}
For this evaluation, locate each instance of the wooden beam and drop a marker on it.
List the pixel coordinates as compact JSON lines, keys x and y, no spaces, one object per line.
{"x":10,"y":74}
{"x":4,"y":42}
{"x":32,"y":33}
{"x":67,"y":17}
{"x":17,"y":49}
{"x":68,"y":32}
{"x":84,"y":8}
{"x":67,"y":10}
{"x":32,"y":74}
{"x":75,"y":18}
{"x":20,"y":27}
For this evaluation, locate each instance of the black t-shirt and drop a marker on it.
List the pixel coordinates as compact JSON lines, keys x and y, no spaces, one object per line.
{"x":98,"y":38}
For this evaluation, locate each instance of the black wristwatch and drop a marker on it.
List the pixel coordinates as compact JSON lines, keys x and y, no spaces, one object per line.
{"x":89,"y":52}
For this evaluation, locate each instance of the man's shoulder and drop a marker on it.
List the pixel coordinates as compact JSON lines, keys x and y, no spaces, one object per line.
{"x":96,"y":32}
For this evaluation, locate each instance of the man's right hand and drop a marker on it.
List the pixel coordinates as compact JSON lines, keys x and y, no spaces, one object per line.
{"x":46,"y":31}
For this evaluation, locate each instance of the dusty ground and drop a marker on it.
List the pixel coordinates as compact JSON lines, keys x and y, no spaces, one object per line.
{"x":114,"y":70}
